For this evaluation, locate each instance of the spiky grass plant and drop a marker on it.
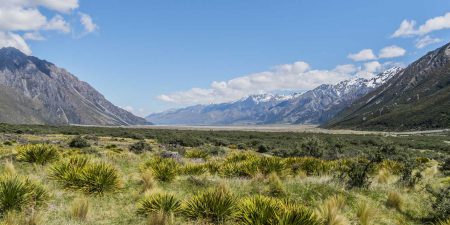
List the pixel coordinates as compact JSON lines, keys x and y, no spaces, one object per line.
{"x":268,"y":165}
{"x":297,"y":215}
{"x":80,"y":208}
{"x":163,"y":169}
{"x":395,"y":200}
{"x":91,"y":177}
{"x":38,"y":153}
{"x":258,"y":210}
{"x":194,"y":169}
{"x":196,"y":153}
{"x":330,"y":212}
{"x":163,"y":204}
{"x":365,"y":213}
{"x":99,"y":178}
{"x":214,"y":205}
{"x":17,"y":192}
{"x":443,"y":222}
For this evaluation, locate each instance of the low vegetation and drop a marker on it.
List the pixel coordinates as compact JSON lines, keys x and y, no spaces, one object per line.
{"x":78,"y":175}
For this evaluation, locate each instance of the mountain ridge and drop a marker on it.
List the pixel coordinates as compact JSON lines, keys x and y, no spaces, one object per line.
{"x":62,"y":97}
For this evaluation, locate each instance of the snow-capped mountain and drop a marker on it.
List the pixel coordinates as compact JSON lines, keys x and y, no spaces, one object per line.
{"x":316,"y":106}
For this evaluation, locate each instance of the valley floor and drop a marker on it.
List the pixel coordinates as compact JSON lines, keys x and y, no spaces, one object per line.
{"x":226,"y":182}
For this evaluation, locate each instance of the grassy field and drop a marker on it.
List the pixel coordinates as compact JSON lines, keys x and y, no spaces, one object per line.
{"x":88,"y":175}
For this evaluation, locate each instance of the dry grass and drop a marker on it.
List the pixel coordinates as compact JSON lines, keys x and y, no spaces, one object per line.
{"x":147,"y":180}
{"x":80,"y":208}
{"x":395,"y":200}
{"x":365,"y":213}
{"x":9,"y":168}
{"x":331,"y":211}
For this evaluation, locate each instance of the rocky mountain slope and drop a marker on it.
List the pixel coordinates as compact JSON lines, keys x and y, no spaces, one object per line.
{"x":36,"y":91}
{"x":417,"y":98}
{"x":312,"y":107}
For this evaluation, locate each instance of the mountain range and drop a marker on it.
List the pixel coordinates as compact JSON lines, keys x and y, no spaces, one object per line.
{"x":316,"y":106}
{"x":418,"y":98}
{"x":34,"y":91}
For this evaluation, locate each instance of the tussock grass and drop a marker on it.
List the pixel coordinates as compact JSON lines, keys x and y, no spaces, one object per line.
{"x":159,"y":207}
{"x":214,"y":205}
{"x":395,"y":200}
{"x":365,"y":213}
{"x":330,"y":212}
{"x":79,"y":208}
{"x":38,"y":153}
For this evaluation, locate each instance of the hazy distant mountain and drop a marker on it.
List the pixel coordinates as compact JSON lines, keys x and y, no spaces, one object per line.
{"x":36,"y":91}
{"x":313,"y":107}
{"x":245,"y":111}
{"x":417,"y":98}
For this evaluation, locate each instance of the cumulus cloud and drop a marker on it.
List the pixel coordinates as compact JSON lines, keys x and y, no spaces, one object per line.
{"x":408,"y":27}
{"x":296,"y":76}
{"x":363,"y":55}
{"x":58,"y":23}
{"x":391,"y":52}
{"x":9,"y":39}
{"x":88,"y":24}
{"x":22,"y":20}
{"x":425,"y":41}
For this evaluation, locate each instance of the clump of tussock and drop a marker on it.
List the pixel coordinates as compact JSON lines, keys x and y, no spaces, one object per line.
{"x":395,"y":200}
{"x":365,"y":213}
{"x":9,"y":168}
{"x":297,"y":215}
{"x":383,"y":176}
{"x":37,"y":153}
{"x":147,"y":180}
{"x":330,"y":212}
{"x":194,"y":169}
{"x":213,"y":205}
{"x":160,"y":206}
{"x":17,"y":193}
{"x":258,"y":209}
{"x":163,"y":169}
{"x":196,"y":154}
{"x":79,"y":208}
{"x":275,"y":186}
{"x":91,"y":177}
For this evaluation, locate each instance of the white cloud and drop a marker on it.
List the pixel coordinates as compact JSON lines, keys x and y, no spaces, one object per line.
{"x":425,"y":41}
{"x":58,"y":23}
{"x":25,"y":17}
{"x":88,"y":24}
{"x":35,"y":36}
{"x":363,"y":55}
{"x":372,"y":67}
{"x":296,"y":76}
{"x":408,"y":27}
{"x":9,"y":39}
{"x":391,"y":52}
{"x":17,"y":18}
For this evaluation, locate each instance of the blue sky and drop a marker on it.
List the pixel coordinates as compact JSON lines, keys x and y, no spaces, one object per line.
{"x":149,"y":56}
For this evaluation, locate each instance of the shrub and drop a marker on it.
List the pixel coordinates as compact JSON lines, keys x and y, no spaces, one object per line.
{"x":443,"y":222}
{"x":365,"y":213}
{"x":297,"y":215}
{"x":163,"y":203}
{"x":357,"y":173}
{"x":313,"y":146}
{"x":38,"y":153}
{"x":80,"y":173}
{"x":140,"y":147}
{"x":330,"y":212}
{"x":79,"y":142}
{"x":214,"y":205}
{"x":164,"y":169}
{"x":395,"y":200}
{"x":79,"y":208}
{"x":441,"y":204}
{"x":17,"y":192}
{"x":258,"y":210}
{"x":263,"y":148}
